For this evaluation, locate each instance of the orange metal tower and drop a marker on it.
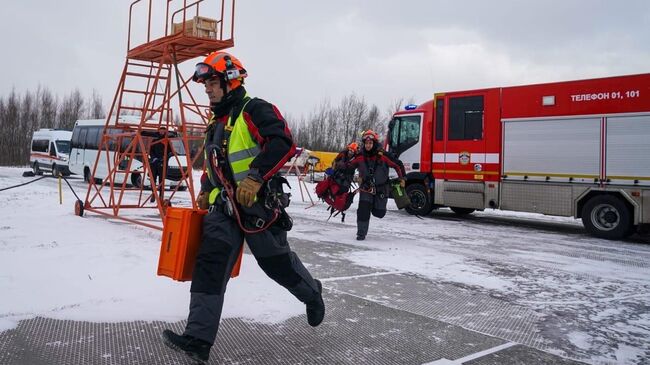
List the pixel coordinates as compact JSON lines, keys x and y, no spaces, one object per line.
{"x":150,"y":90}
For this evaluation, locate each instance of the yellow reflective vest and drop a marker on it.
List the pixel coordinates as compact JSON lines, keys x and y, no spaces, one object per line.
{"x":242,"y":149}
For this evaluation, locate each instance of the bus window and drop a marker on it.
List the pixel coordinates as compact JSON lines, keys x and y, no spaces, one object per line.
{"x":126,"y":141}
{"x":81,"y":143}
{"x":178,"y":146}
{"x":113,"y":139}
{"x":92,"y":138}
{"x":75,"y":137}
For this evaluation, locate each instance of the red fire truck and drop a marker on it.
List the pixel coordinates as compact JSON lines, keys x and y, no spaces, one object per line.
{"x":576,"y":148}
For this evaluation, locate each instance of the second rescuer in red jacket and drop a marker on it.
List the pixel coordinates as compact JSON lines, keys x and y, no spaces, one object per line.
{"x":373,"y":163}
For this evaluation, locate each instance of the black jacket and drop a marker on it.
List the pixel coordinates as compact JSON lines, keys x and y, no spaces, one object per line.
{"x":267,"y":127}
{"x":157,"y":149}
{"x":342,"y":160}
{"x":373,"y":167}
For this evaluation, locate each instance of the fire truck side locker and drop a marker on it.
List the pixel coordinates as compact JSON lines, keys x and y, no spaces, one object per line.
{"x":579,"y":149}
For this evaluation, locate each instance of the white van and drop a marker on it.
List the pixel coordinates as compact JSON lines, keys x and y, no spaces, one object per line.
{"x":50,"y":151}
{"x":86,"y":138}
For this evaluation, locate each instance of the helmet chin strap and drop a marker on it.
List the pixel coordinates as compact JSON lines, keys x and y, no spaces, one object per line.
{"x":224,"y":86}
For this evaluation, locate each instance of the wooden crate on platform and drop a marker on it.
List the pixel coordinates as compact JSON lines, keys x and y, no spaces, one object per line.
{"x":198,"y":26}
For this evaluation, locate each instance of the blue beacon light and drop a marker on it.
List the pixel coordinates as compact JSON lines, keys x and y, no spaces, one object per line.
{"x":410,"y":107}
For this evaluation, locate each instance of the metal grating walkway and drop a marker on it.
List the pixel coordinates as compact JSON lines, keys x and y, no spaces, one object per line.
{"x":372,"y":318}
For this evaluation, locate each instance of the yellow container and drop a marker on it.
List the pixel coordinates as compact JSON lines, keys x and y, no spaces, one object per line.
{"x":325,"y":159}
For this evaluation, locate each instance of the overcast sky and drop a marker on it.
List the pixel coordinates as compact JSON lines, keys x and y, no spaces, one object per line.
{"x":299,"y":53}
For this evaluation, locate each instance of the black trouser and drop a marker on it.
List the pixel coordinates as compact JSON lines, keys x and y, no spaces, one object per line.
{"x":156,"y":171}
{"x":220,"y":244}
{"x":370,"y":203}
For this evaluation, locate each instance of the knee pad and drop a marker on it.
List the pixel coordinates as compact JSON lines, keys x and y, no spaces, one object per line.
{"x":379,"y":213}
{"x":209,"y":274}
{"x":280,"y":269}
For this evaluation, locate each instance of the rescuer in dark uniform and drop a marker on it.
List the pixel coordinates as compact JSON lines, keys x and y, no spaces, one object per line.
{"x":373,"y":164}
{"x":247,"y":141}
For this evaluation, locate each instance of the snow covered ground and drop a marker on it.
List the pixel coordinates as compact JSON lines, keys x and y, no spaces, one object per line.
{"x":58,"y":265}
{"x":591,"y":295}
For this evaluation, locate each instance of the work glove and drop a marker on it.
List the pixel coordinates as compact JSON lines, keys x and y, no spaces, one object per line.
{"x":247,"y":190}
{"x":402,"y":183}
{"x":203,"y":200}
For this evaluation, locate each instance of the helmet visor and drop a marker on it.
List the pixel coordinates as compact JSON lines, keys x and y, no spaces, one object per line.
{"x":368,"y":136}
{"x":203,"y":72}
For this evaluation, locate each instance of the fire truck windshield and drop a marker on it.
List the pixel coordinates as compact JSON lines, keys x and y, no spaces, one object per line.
{"x":403,"y":133}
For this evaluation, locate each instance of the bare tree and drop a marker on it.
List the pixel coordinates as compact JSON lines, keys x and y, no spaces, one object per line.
{"x":95,"y":106}
{"x":318,"y":126}
{"x":71,"y":110}
{"x":48,"y":106}
{"x":394,"y":107}
{"x":10,"y":123}
{"x":27,"y":121}
{"x":374,"y":120}
{"x":330,"y":128}
{"x":4,"y":137}
{"x":360,"y":116}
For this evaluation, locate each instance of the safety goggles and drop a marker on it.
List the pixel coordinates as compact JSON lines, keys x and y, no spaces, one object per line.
{"x":203,"y":72}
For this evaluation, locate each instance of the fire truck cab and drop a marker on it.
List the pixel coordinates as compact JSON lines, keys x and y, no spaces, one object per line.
{"x":576,"y":148}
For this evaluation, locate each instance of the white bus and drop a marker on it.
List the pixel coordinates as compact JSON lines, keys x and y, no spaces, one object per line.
{"x":86,"y":138}
{"x":50,"y":151}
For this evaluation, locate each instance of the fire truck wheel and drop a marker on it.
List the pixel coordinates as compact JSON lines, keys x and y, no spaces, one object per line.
{"x":79,"y":208}
{"x":462,"y":211}
{"x":607,"y":216}
{"x":420,"y":200}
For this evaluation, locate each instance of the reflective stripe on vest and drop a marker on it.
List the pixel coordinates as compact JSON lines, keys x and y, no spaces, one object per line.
{"x":242,"y":150}
{"x":213,"y":195}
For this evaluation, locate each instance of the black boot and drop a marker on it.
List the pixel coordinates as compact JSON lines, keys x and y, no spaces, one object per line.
{"x":316,"y":308}
{"x":362,"y":229}
{"x":198,"y":350}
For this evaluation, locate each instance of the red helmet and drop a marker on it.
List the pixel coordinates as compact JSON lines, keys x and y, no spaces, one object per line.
{"x":223,"y":65}
{"x":370,"y":134}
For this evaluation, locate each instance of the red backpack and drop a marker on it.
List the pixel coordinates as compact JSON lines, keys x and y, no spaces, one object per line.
{"x":338,"y":198}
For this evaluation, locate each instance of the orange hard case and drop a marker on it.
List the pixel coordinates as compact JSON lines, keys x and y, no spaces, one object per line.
{"x":180,"y":244}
